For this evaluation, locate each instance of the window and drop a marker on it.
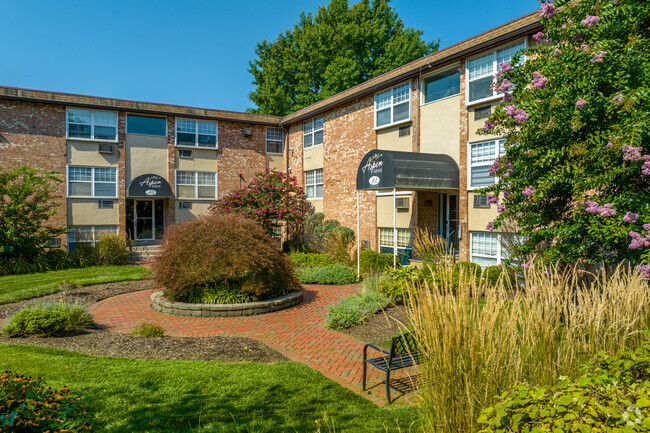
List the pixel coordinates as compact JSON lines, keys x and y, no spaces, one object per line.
{"x":312,"y":132}
{"x":92,"y":181}
{"x":487,"y":249}
{"x":105,"y":204}
{"x":145,"y":125}
{"x":53,"y":242}
{"x":184,"y":153}
{"x":274,"y":140}
{"x":196,"y":184}
{"x":386,"y":238}
{"x":393,"y":106}
{"x":482,"y":155}
{"x":196,"y":133}
{"x":185,"y":205}
{"x":88,"y":235}
{"x":277,"y":231}
{"x":92,"y":124}
{"x":314,"y":183}
{"x":481,"y":202}
{"x":481,"y":71}
{"x":404,"y":131}
{"x":483,"y":112}
{"x":442,"y":85}
{"x":402,"y":203}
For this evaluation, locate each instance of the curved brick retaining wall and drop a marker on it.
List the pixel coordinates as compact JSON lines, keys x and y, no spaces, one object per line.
{"x":163,"y":305}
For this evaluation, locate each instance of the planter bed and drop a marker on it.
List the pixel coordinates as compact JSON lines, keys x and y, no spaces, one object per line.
{"x":163,"y":305}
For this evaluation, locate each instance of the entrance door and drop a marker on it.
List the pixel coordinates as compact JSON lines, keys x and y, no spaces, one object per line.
{"x":448,"y":219}
{"x":148,"y":219}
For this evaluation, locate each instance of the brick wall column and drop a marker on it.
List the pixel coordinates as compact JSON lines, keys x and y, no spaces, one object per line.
{"x":170,"y":205}
{"x":121,"y":170}
{"x":463,"y":203}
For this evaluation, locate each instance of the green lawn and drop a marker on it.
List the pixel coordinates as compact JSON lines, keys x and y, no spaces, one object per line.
{"x":175,"y":396}
{"x":18,"y":287}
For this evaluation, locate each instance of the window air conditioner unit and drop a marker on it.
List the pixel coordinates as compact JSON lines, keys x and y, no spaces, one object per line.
{"x":106,"y":148}
{"x":402,"y":203}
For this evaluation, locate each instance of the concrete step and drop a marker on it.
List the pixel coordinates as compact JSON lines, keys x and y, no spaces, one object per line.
{"x":144,"y":251}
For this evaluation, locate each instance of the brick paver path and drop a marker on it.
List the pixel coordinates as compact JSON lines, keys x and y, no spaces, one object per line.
{"x":298,"y":332}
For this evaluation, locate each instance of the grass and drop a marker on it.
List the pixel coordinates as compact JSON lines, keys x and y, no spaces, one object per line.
{"x":26,"y":286}
{"x":192,"y":396}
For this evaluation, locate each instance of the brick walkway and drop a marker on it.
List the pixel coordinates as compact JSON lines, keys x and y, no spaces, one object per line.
{"x":299,"y":333}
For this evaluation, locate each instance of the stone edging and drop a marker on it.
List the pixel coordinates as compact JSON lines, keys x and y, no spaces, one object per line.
{"x":163,"y":305}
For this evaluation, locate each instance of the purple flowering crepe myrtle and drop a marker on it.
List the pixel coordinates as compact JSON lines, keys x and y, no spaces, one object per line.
{"x":576,"y":173}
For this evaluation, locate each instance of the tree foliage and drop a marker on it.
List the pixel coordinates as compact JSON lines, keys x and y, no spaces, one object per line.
{"x":272,"y":196}
{"x":330,"y":51}
{"x":576,"y":174}
{"x":26,"y":204}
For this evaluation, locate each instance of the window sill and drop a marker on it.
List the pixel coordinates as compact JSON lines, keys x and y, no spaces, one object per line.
{"x":483,"y":101}
{"x":86,"y":197}
{"x":274,"y":153}
{"x":194,"y":199}
{"x":91,"y":140}
{"x":315,"y":198}
{"x":196,"y":147}
{"x":311,"y":147}
{"x":402,"y":122}
{"x":438,"y":100}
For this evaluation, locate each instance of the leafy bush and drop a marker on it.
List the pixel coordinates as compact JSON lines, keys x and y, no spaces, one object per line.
{"x":28,"y":406}
{"x":222,"y":250}
{"x":492,"y":274}
{"x":53,"y":260}
{"x":354,"y":310}
{"x":466,"y":272}
{"x":293,"y":247}
{"x":371,"y":262}
{"x":311,"y":260}
{"x":394,"y":283}
{"x":613,"y":394}
{"x":340,"y":245}
{"x":146,"y":329}
{"x":85,"y":255}
{"x":113,"y":249}
{"x":48,"y":319}
{"x":317,"y":229}
{"x":330,"y":274}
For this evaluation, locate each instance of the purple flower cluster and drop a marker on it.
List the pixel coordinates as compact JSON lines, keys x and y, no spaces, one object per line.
{"x":521,"y":116}
{"x":631,"y":153}
{"x":538,"y":36}
{"x":493,"y":199}
{"x":607,"y":210}
{"x":526,"y":265}
{"x":594,"y":208}
{"x":489,"y":125}
{"x":501,"y":209}
{"x":511,"y":110}
{"x":639,"y":241}
{"x":584,"y":47}
{"x":504,"y":86}
{"x":547,"y":10}
{"x":505,"y":67}
{"x":528,"y":191}
{"x":630,"y":217}
{"x":490,"y":226}
{"x":581,"y":103}
{"x":494,"y":167}
{"x":597,"y":56}
{"x":644,"y":271}
{"x":507,"y":97}
{"x":539,"y":81}
{"x":590,"y":21}
{"x":645,"y":168}
{"x":557,"y":51}
{"x":617,"y":99}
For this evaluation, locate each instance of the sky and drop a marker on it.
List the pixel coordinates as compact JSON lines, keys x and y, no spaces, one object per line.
{"x":185,"y":52}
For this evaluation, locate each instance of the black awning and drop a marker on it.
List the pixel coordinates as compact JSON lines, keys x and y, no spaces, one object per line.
{"x":388,"y":169}
{"x":149,"y":185}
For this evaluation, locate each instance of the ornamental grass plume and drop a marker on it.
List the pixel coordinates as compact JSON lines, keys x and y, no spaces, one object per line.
{"x":478,"y":340}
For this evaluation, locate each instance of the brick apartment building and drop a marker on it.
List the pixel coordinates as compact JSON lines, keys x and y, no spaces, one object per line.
{"x":137,"y":167}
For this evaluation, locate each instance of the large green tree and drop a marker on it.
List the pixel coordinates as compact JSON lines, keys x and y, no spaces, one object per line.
{"x":330,"y":51}
{"x":576,"y":115}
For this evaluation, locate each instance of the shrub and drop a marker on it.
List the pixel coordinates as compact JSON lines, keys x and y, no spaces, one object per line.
{"x":311,"y":260}
{"x":492,"y":274}
{"x":317,"y":229}
{"x":293,"y":247}
{"x":85,"y":255}
{"x":465,"y":273}
{"x":354,"y":310}
{"x":222,"y":250}
{"x":35,"y":321}
{"x":146,"y":329}
{"x":340,"y":245}
{"x":29,"y":406}
{"x":394,"y":283}
{"x":330,"y":274}
{"x":53,"y":260}
{"x":48,"y":319}
{"x":613,"y":393}
{"x":371,"y":262}
{"x":113,"y":249}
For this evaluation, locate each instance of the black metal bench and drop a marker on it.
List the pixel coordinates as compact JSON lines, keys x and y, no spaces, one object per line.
{"x":403,"y":353}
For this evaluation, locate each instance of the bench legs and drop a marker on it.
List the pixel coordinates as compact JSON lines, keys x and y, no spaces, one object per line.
{"x":388,"y":385}
{"x":363,"y":380}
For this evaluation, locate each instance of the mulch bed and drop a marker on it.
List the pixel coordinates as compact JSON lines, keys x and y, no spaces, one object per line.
{"x":384,"y":325}
{"x":99,"y":342}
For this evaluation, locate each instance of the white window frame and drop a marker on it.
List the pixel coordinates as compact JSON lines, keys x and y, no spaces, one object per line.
{"x":196,"y":186}
{"x":196,"y":134}
{"x":313,"y":131}
{"x":94,"y":231}
{"x":495,"y":69}
{"x":433,"y":73}
{"x":92,"y":125}
{"x":147,"y":135}
{"x":275,"y":140}
{"x":392,"y":105}
{"x":92,"y":183}
{"x":400,"y":230}
{"x":498,"y":144}
{"x":315,"y":184}
{"x":500,"y":250}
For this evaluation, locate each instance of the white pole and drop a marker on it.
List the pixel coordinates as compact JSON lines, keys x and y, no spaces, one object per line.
{"x":358,"y":239}
{"x":394,"y":229}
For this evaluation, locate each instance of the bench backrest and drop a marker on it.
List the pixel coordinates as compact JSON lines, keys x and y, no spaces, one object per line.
{"x":402,"y":345}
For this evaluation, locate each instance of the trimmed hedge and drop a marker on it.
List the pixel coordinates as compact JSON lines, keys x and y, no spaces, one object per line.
{"x":311,"y":260}
{"x":330,"y":274}
{"x":492,"y":274}
{"x":371,"y":262}
{"x":48,"y":319}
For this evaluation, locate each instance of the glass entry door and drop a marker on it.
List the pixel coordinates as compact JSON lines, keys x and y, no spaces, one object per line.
{"x":148,"y":219}
{"x":448,"y":219}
